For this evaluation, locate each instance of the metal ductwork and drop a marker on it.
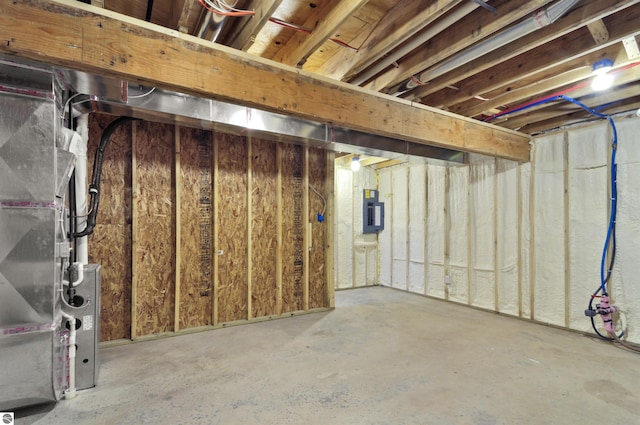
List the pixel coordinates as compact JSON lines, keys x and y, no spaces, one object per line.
{"x":34,"y":172}
{"x":153,"y":104}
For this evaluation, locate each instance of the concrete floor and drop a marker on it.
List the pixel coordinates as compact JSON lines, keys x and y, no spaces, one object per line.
{"x":382,"y":357}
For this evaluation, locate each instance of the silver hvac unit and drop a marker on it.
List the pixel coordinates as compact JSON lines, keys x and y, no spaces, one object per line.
{"x":35,"y":249}
{"x":32,"y":248}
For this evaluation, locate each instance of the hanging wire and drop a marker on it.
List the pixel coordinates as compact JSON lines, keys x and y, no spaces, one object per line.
{"x":324,"y":209}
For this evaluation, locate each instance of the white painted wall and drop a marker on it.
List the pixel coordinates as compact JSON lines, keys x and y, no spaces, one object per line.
{"x":522,"y":239}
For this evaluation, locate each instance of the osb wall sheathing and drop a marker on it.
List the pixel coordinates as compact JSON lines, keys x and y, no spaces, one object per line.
{"x":232,"y":227}
{"x":196,"y":250}
{"x":264,"y":185}
{"x":292,"y":228}
{"x":155,"y":223}
{"x":317,"y":167}
{"x":155,"y":234}
{"x":110,"y":244}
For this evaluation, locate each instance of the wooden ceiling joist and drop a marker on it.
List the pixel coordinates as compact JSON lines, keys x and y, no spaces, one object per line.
{"x":452,"y":41}
{"x":387,"y":35}
{"x":528,"y":68}
{"x":589,"y":14}
{"x":85,"y":38}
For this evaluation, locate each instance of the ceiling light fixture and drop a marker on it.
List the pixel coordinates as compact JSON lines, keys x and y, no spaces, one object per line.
{"x":355,"y":163}
{"x":602,"y":79}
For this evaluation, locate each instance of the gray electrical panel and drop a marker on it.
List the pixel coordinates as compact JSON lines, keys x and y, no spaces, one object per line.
{"x":372,"y":212}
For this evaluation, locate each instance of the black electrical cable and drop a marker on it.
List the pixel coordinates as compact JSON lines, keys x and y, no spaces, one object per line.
{"x":94,"y":187}
{"x":149,"y":10}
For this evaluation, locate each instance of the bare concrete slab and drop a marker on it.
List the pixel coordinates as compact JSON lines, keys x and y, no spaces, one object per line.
{"x":382,"y":357}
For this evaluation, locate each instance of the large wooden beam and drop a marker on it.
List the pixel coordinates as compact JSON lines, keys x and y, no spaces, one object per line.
{"x":82,"y":37}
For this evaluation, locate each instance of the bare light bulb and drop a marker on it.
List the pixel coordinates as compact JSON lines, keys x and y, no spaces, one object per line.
{"x":355,"y":163}
{"x":602,"y":80}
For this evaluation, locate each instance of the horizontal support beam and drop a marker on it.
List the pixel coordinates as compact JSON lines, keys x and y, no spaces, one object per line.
{"x":78,"y":36}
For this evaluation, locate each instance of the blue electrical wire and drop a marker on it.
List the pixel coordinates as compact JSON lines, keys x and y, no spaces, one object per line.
{"x":611,"y":231}
{"x":614,"y":190}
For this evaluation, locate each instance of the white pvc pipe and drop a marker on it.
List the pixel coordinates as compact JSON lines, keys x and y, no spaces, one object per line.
{"x":78,"y":147}
{"x":70,"y":392}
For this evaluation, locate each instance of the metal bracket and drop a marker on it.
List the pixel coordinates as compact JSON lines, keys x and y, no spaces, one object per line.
{"x":487,"y":6}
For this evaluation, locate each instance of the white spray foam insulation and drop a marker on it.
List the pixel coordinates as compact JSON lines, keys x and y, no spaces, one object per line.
{"x":507,"y":236}
{"x":549,"y":285}
{"x":365,"y":178}
{"x":384,"y":236}
{"x":435,"y":230}
{"x":458,"y":201}
{"x":588,"y":181}
{"x":525,"y":238}
{"x":482,"y":255}
{"x":344,"y":227}
{"x":372,"y":266}
{"x":360,"y":265}
{"x":625,"y":285}
{"x":399,"y":228}
{"x":417,"y":226}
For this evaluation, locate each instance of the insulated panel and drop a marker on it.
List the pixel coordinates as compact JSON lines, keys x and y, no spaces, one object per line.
{"x":417,"y":227}
{"x":264,"y":183}
{"x":435,"y":230}
{"x":588,"y":177}
{"x":317,"y":176}
{"x":507,"y":233}
{"x":155,"y":235}
{"x":548,"y":192}
{"x":458,"y":201}
{"x":625,"y":287}
{"x":385,"y":236}
{"x":525,"y":238}
{"x":344,"y":200}
{"x":482,"y":255}
{"x":232,"y":227}
{"x":399,"y":219}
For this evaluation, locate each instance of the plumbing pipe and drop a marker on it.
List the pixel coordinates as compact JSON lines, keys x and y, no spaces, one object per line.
{"x":70,"y":392}
{"x":416,"y":42}
{"x":78,"y":147}
{"x":541,"y":19}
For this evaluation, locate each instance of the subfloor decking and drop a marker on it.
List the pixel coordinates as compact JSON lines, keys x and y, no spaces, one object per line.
{"x":382,"y":357}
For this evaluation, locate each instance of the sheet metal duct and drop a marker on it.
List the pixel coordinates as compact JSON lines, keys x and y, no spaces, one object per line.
{"x":152,"y":104}
{"x":32,"y":243}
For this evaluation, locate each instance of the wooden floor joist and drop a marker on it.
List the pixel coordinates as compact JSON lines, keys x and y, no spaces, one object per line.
{"x":82,"y":37}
